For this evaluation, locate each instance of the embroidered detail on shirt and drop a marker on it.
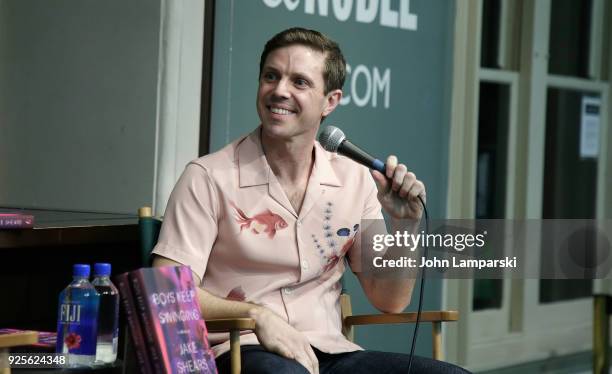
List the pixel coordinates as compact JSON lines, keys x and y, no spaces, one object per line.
{"x":334,"y":245}
{"x":333,"y":259}
{"x":237,"y":294}
{"x":266,"y":221}
{"x":343,"y":232}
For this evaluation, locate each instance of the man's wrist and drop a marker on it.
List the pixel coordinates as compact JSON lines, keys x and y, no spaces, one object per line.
{"x":255,"y":313}
{"x":261,"y":315}
{"x":409,"y":225}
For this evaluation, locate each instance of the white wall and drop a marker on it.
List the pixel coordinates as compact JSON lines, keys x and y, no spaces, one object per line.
{"x":180,"y":77}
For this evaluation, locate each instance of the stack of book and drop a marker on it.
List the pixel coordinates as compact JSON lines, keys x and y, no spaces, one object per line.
{"x":164,"y":319}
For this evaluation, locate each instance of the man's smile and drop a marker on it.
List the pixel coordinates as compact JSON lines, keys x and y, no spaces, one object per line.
{"x":279,"y":110}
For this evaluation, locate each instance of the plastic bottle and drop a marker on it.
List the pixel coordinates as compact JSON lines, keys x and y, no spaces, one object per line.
{"x":108,"y":315}
{"x":77,"y":319}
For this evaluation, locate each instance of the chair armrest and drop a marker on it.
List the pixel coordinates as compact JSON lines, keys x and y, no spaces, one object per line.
{"x":234,"y":326}
{"x":410,"y":317}
{"x":227,"y":324}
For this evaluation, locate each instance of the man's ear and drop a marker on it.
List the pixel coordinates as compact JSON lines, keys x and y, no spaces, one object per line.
{"x":333,"y":99}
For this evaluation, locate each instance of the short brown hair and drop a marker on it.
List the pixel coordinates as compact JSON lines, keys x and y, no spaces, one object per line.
{"x":334,"y":72}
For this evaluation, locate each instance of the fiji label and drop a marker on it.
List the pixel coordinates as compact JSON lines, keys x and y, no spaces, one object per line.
{"x":70,"y":313}
{"x":77,"y":328}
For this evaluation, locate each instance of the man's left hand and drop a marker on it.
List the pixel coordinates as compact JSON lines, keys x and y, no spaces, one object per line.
{"x":398,"y":195}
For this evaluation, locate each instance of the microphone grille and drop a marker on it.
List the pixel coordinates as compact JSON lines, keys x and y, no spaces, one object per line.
{"x":331,"y":138}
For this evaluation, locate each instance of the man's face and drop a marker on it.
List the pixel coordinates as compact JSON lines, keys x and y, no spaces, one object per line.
{"x":290,"y":98}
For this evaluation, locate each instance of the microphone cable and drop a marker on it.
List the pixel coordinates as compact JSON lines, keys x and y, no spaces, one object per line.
{"x":421,"y":290}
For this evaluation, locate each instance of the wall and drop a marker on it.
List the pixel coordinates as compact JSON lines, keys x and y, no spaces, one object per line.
{"x":78,"y":92}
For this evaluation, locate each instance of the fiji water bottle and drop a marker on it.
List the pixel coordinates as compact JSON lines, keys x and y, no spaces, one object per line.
{"x":77,"y":319}
{"x":108,"y":315}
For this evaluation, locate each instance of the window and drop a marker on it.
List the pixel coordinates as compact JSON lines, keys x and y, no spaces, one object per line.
{"x":531,"y":113}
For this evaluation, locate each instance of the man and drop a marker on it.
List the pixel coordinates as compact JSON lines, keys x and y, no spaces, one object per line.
{"x":266,"y":222}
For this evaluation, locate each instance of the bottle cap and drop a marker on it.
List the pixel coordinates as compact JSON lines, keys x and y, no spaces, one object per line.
{"x":102,"y":269}
{"x":81,"y":270}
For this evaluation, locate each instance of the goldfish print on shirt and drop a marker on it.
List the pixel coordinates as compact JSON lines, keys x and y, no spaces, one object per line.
{"x":264,"y":222}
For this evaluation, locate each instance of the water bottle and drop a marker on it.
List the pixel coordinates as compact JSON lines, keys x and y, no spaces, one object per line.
{"x":108,"y":315}
{"x":77,"y":319}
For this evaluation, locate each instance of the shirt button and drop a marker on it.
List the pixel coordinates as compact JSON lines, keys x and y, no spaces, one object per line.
{"x":299,"y":223}
{"x":305,"y":265}
{"x":287,"y":290}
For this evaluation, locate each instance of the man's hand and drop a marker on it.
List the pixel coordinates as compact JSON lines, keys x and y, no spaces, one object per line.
{"x":279,"y":337}
{"x":399,"y":196}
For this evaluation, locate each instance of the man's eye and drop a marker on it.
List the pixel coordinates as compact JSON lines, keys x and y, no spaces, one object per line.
{"x":269,"y":76}
{"x":301,"y":82}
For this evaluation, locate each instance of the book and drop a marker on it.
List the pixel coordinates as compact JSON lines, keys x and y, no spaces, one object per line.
{"x":46,"y":339}
{"x":16,"y":221}
{"x":173,"y":330}
{"x":131,"y":314}
{"x":15,"y":337}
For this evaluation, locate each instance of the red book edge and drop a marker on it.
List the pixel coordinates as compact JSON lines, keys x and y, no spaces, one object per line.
{"x":144,"y":314}
{"x":131,"y":314}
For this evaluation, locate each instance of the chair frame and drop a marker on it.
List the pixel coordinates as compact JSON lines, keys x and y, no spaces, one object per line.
{"x":602,"y":309}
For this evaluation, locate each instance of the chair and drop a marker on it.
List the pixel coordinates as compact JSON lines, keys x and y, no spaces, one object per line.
{"x":149,"y":229}
{"x":602,"y":309}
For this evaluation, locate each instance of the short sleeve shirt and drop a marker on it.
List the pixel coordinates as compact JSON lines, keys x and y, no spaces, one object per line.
{"x":229,"y":219}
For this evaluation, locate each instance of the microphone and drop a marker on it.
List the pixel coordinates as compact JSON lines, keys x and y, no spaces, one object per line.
{"x":333,"y":140}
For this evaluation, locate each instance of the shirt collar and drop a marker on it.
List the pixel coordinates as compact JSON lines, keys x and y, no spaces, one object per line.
{"x":323,"y":168}
{"x":253,"y":168}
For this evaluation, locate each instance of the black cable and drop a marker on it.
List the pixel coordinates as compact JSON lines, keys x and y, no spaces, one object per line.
{"x":420,"y":306}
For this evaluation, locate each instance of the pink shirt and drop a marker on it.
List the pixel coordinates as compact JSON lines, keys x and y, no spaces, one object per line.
{"x":230,"y":220}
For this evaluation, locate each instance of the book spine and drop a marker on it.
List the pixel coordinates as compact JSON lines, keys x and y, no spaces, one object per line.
{"x":144,"y":312}
{"x":16,"y":221}
{"x":131,"y":314}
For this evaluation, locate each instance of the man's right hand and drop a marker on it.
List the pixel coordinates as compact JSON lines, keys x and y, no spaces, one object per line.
{"x":277,"y":336}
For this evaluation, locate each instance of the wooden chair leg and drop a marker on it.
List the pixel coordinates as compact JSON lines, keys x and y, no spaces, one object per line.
{"x":4,"y":360}
{"x":235,"y":351}
{"x":436,"y":332}
{"x":346,"y":310}
{"x":601,"y":334}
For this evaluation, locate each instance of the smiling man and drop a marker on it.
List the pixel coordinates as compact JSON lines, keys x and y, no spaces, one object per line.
{"x":267,"y":222}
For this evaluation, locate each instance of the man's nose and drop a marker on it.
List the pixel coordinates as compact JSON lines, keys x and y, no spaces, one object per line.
{"x":281,"y":89}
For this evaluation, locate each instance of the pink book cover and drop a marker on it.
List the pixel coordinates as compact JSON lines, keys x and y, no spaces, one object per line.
{"x":170,"y":312}
{"x":16,"y":221}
